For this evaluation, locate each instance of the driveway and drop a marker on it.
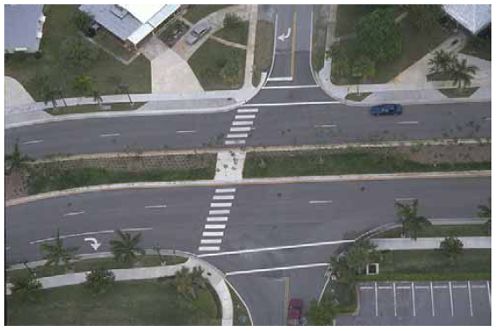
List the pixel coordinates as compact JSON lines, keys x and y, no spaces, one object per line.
{"x":422,"y":303}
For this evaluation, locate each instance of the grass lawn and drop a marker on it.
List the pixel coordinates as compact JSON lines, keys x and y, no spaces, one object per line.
{"x":415,"y":44}
{"x":433,"y":265}
{"x":357,"y":97}
{"x":94,"y":108}
{"x":478,"y":47}
{"x":341,"y":162}
{"x":108,"y":41}
{"x":147,"y":302}
{"x":237,"y":34}
{"x":240,"y":313}
{"x":53,"y":178}
{"x":197,"y":12}
{"x":263,"y":55}
{"x":209,"y":60}
{"x":320,"y":13}
{"x":458,"y":93}
{"x":88,"y":264}
{"x":107,"y":73}
{"x":442,"y":231}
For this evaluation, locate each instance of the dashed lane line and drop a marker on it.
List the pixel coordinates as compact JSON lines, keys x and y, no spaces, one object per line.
{"x":408,"y":122}
{"x":106,"y":135}
{"x":185,"y":131}
{"x":319,"y":202}
{"x":155,"y":206}
{"x":74,"y":213}
{"x":30,"y":142}
{"x":322,"y":126}
{"x":470,"y":299}
{"x":395,"y":304}
{"x":432,"y":299}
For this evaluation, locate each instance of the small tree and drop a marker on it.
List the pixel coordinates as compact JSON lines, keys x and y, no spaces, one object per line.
{"x":484,"y":211}
{"x":462,"y":74}
{"x":441,"y":62}
{"x":126,"y":248}
{"x":56,"y":254}
{"x":83,"y":85}
{"x":412,"y":223}
{"x":15,"y":160}
{"x":123,"y":88}
{"x":232,"y":21}
{"x":26,"y":287}
{"x":78,"y":53}
{"x":99,"y":280}
{"x":452,"y":248}
{"x":83,"y":22}
{"x":321,"y":313}
{"x":49,"y":95}
{"x":97,"y":97}
{"x":183,"y":283}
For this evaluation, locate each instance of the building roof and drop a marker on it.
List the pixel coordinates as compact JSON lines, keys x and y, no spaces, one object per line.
{"x":132,"y":22}
{"x":472,"y":17}
{"x":23,"y":26}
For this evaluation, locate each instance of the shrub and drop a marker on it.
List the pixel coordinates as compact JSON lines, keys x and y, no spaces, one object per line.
{"x":78,"y":53}
{"x":99,"y":280}
{"x":26,"y":287}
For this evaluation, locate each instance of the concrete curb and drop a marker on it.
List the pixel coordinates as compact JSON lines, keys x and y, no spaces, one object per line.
{"x":251,"y":181}
{"x":263,"y":149}
{"x":212,"y":274}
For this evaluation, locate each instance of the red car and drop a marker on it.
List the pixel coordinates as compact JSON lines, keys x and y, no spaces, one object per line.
{"x":295,"y":312}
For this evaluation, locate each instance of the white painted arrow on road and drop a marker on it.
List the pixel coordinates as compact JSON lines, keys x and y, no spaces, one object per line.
{"x":283,"y":36}
{"x":95,"y":244}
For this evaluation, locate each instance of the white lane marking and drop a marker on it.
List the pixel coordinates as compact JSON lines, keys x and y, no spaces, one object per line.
{"x":87,"y":234}
{"x":7,"y":248}
{"x":489,"y":293}
{"x":451,"y":299}
{"x":155,"y":206}
{"x":395,"y":304}
{"x":240,"y":129}
{"x":221,"y":204}
{"x":298,"y":266}
{"x":244,"y":117}
{"x":74,"y":213}
{"x":470,"y":299}
{"x":408,"y":122}
{"x":413,"y":297}
{"x":210,"y":241}
{"x":209,"y":248}
{"x":276,"y":248}
{"x":487,"y":119}
{"x":432,"y":300}
{"x":225,"y":190}
{"x":376,"y":299}
{"x":240,"y":123}
{"x":185,"y":131}
{"x":237,"y":135}
{"x":300,"y":103}
{"x":212,"y":234}
{"x":325,"y":126}
{"x":217,"y":219}
{"x":223,"y":197}
{"x":29,"y":142}
{"x":234,"y":142}
{"x":280,"y":79}
{"x":248,"y":110}
{"x":215,"y":226}
{"x":219,"y":212}
{"x":405,"y":199}
{"x":288,"y":87}
{"x":315,"y":202}
{"x":104,"y":135}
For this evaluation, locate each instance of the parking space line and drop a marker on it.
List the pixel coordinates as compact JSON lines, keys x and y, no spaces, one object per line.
{"x":403,"y":287}
{"x":478,"y":286}
{"x":413,"y":297}
{"x":470,"y":299}
{"x":419,"y":287}
{"x":451,"y":299}
{"x":489,"y":293}
{"x":459,"y":286}
{"x":385,"y":288}
{"x":395,"y":304}
{"x":432,"y":300}
{"x":376,"y":300}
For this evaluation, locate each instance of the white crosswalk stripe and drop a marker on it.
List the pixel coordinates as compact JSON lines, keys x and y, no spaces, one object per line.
{"x":239,"y":123}
{"x":209,"y":248}
{"x":223,"y":197}
{"x":217,"y":219}
{"x":248,"y":110}
{"x":225,"y":190}
{"x":244,"y":117}
{"x":241,"y":129}
{"x":210,"y":241}
{"x":235,"y":142}
{"x":219,"y":212}
{"x":212,"y":234}
{"x":215,"y":226}
{"x":221,"y":204}
{"x":237,"y":135}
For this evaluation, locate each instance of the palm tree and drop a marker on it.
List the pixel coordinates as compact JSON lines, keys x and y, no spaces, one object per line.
{"x":199,"y":282}
{"x":125,"y":248}
{"x":462,"y":74}
{"x":485,"y":212}
{"x":49,"y":95}
{"x":441,"y":62}
{"x":97,"y":98}
{"x":123,"y":88}
{"x":56,"y":254}
{"x":452,"y":247}
{"x":412,"y":223}
{"x":60,"y":92}
{"x":15,"y":160}
{"x":183,"y":283}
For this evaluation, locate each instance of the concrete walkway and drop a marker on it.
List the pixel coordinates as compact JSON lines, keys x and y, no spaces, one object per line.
{"x":411,"y":85}
{"x":394,"y":244}
{"x":215,"y":277}
{"x":15,"y":93}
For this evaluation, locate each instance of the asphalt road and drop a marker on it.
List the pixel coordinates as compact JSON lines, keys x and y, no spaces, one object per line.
{"x":262,"y":216}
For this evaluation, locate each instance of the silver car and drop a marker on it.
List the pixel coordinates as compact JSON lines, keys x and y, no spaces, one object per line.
{"x":197,"y":32}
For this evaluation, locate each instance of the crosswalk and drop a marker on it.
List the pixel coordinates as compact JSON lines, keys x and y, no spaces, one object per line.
{"x":220,"y":209}
{"x":241,"y":127}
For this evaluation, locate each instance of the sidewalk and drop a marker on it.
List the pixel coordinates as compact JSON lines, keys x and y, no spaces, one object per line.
{"x":212,"y":274}
{"x":411,"y":85}
{"x":428,"y":243}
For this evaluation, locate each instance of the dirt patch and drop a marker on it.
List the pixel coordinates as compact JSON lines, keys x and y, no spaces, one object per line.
{"x":15,"y":185}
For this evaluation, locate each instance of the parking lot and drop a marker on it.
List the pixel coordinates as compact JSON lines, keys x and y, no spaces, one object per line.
{"x":422,"y":303}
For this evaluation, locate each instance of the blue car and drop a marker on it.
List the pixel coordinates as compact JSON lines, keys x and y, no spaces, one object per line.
{"x":386,"y":109}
